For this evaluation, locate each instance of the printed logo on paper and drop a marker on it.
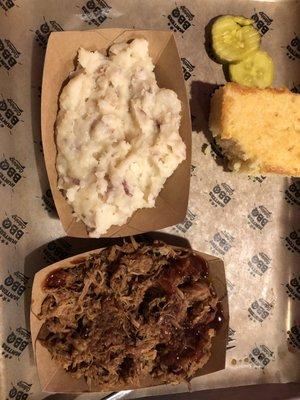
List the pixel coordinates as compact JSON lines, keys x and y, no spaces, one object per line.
{"x":95,"y":12}
{"x":11,"y":171}
{"x":56,"y":251}
{"x":13,"y":286}
{"x":230,"y":287}
{"x":15,"y":343}
{"x":7,"y":5}
{"x":180,"y":19}
{"x":262,"y":22}
{"x":48,"y":202}
{"x":187,"y":223}
{"x":12,"y":229}
{"x":187,"y":68}
{"x":259,"y":310}
{"x":9,"y":55}
{"x":10,"y":113}
{"x":294,"y":336}
{"x":221,"y":195}
{"x":20,"y":391}
{"x":259,"y":217}
{"x":292,"y":241}
{"x":231,"y":339}
{"x":260,"y":356}
{"x":43,"y":32}
{"x":293,"y":288}
{"x":259,"y":264}
{"x":293,"y":48}
{"x":221,"y":243}
{"x":292,"y":193}
{"x":259,"y":178}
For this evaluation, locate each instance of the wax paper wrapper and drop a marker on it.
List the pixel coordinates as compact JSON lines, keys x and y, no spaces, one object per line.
{"x":251,"y":222}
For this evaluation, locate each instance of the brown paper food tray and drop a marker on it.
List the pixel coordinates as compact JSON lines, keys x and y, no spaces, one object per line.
{"x":171,"y":204}
{"x":55,"y":379}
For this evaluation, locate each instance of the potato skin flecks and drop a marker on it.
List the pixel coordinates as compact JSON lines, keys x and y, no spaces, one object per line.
{"x":117,"y":136}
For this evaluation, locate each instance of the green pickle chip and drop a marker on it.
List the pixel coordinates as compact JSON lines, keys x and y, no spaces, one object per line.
{"x":257,"y":70}
{"x":234,"y":38}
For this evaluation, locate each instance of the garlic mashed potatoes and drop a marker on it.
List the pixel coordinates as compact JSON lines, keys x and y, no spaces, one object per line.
{"x":117,"y":136}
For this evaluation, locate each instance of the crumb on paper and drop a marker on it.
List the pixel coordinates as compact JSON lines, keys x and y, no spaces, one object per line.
{"x":206,"y":148}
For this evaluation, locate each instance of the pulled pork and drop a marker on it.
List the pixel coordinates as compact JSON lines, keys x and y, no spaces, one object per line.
{"x":131,"y":312}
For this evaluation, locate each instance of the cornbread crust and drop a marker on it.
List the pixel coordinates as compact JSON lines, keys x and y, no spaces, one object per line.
{"x":257,"y":129}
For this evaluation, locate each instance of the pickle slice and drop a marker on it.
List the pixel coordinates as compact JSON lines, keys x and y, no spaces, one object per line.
{"x":256,"y":70}
{"x":234,"y":38}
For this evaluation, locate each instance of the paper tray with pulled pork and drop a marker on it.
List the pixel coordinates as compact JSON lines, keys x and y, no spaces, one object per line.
{"x":131,"y":312}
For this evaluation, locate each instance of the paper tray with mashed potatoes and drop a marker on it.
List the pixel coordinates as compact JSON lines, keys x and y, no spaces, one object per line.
{"x":171,"y":203}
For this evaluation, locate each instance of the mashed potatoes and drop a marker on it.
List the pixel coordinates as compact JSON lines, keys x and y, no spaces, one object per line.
{"x":117,"y":136}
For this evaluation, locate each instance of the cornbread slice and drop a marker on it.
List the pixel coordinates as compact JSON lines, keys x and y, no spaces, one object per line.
{"x":257,"y":129}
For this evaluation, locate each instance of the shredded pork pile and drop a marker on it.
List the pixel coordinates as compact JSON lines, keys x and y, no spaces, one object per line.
{"x":131,"y":312}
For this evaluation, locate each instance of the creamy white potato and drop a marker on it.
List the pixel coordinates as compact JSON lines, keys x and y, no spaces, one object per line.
{"x":117,"y":136}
